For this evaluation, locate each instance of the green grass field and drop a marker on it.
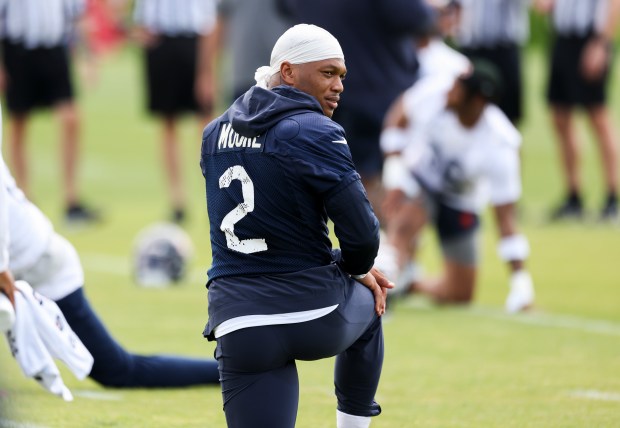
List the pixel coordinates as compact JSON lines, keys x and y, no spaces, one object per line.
{"x":557,"y":366}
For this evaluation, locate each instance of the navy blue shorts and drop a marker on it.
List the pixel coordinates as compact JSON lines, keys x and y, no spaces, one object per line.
{"x":116,"y":367}
{"x":260,"y":386}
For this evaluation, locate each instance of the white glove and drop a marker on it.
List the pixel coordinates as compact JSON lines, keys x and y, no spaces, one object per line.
{"x":521,"y":295}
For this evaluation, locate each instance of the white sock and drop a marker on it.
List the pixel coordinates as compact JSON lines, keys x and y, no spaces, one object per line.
{"x":344,"y":420}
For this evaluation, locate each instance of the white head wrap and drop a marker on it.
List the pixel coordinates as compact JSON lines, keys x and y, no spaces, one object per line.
{"x":298,"y":45}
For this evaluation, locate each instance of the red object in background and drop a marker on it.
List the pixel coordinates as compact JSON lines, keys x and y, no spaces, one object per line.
{"x":466,"y":219}
{"x":104,"y":27}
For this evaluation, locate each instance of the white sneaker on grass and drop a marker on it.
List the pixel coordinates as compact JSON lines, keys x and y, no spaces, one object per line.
{"x":521,"y":295}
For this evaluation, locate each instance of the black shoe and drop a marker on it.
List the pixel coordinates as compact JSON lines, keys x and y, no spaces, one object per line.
{"x":178,"y":215}
{"x":80,"y":214}
{"x":568,"y":211}
{"x":609,"y":213}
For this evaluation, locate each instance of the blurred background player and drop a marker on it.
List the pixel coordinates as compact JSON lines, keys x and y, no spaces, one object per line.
{"x":495,"y":30}
{"x":579,"y":72}
{"x":435,"y":57}
{"x":36,"y":39}
{"x":178,"y":42}
{"x":247,"y":31}
{"x":32,"y":251}
{"x":450,"y":150}
{"x":376,"y":37}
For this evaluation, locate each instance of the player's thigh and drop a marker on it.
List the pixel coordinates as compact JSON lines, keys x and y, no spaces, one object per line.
{"x":264,"y":348}
{"x":266,"y":399}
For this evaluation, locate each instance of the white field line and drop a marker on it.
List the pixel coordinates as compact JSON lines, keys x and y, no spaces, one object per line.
{"x":593,"y":394}
{"x":97,"y":395}
{"x":122,"y":266}
{"x":116,"y":265}
{"x":7,"y":423}
{"x":539,"y":319}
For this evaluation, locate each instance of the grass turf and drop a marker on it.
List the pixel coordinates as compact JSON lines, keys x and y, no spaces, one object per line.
{"x":445,"y":367}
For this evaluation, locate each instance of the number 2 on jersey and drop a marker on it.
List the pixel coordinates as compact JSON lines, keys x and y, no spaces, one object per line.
{"x":246,"y":246}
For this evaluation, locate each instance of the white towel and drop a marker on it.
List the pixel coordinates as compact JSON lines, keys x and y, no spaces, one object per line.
{"x":40,"y":333}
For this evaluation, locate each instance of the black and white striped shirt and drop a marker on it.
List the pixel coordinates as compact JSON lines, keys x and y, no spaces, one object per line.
{"x":491,"y":23}
{"x":176,"y":17}
{"x":578,"y":17}
{"x":39,"y":23}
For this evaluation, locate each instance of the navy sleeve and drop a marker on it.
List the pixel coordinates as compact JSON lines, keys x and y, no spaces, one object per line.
{"x":355,"y":226}
{"x":324,"y":164}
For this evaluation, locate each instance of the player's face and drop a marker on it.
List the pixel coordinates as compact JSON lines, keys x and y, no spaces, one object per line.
{"x":456,"y":95}
{"x":323,"y":80}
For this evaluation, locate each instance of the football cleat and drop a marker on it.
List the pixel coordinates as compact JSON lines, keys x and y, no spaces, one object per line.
{"x":521,"y":295}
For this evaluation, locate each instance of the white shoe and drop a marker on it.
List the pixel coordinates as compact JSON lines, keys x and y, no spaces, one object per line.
{"x":412,"y":272}
{"x":521,"y":295}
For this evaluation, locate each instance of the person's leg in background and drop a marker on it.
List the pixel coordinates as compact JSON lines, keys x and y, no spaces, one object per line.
{"x":69,"y":120}
{"x":563,"y":94}
{"x":115,"y":367}
{"x":18,"y":123}
{"x":172,"y":165}
{"x":599,"y":118}
{"x":563,"y":123}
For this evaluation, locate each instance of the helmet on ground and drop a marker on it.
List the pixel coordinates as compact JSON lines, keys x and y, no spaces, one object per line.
{"x":161,"y":254}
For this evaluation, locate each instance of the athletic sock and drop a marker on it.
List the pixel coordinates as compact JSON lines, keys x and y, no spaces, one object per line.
{"x":344,"y":420}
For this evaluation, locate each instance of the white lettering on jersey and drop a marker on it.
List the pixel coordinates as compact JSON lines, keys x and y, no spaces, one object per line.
{"x":229,"y":139}
{"x":246,"y":246}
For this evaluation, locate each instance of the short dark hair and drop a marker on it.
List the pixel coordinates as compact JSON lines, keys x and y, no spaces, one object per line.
{"x":483,"y":79}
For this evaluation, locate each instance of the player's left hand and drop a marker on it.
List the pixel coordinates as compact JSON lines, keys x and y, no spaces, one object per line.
{"x":379,"y":284}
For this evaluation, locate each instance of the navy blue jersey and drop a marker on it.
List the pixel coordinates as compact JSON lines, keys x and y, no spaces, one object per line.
{"x":276,"y":169}
{"x":271,"y":177}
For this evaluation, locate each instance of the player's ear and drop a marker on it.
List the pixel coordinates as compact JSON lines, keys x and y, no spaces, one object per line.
{"x":287,"y":71}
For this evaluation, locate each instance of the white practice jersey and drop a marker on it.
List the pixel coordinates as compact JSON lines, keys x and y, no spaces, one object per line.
{"x":467,"y":167}
{"x":29,"y":230}
{"x":39,"y":23}
{"x":437,"y":59}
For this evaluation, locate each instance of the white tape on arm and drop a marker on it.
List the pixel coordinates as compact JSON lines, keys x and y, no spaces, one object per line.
{"x":396,"y":175}
{"x":513,"y":247}
{"x":393,"y":140}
